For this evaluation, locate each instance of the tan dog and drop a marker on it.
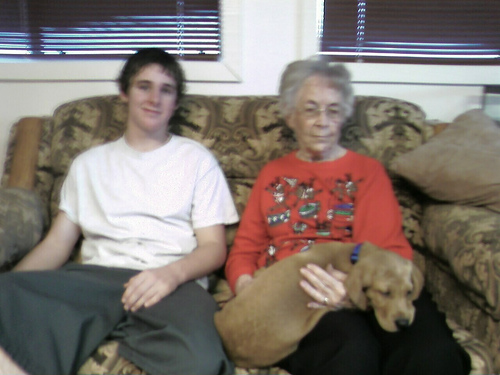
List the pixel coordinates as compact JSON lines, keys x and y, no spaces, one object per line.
{"x":266,"y":321}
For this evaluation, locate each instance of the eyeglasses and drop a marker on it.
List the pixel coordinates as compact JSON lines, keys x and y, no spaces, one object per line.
{"x":313,"y":112}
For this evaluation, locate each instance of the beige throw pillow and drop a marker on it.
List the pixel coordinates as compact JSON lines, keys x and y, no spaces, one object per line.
{"x":461,"y":164}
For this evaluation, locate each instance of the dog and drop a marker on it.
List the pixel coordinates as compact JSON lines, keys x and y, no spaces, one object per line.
{"x":266,"y":321}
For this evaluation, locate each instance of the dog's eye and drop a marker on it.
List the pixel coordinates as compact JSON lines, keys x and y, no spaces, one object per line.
{"x":409,"y":293}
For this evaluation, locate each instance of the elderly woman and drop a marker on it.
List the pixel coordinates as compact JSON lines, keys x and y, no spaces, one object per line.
{"x":324,"y":192}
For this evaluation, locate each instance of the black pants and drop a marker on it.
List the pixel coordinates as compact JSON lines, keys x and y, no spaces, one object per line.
{"x":51,"y":321}
{"x":351,"y":342}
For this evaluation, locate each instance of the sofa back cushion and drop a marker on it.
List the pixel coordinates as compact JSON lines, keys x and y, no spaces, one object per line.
{"x":384,"y":128}
{"x":77,"y":126}
{"x":243,"y":132}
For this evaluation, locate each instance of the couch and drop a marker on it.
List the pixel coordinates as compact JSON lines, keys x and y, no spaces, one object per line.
{"x":456,"y":244}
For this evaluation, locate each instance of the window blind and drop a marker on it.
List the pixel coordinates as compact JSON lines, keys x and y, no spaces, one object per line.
{"x":412,"y":31}
{"x":97,"y":28}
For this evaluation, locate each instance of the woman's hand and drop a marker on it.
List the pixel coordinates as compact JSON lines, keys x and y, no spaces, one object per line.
{"x":326,"y":287}
{"x":148,"y":287}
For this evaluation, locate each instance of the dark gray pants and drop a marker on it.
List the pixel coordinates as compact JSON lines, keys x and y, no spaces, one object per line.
{"x":50,"y":322}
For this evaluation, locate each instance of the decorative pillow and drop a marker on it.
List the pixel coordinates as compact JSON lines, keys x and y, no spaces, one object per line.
{"x":21,"y":224}
{"x":458,"y":165}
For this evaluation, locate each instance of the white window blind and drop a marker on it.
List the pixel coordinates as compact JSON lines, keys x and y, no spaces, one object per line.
{"x":412,"y":31}
{"x":107,"y":28}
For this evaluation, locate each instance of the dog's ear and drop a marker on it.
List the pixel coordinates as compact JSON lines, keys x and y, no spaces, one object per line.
{"x":355,"y":289}
{"x":417,"y":280}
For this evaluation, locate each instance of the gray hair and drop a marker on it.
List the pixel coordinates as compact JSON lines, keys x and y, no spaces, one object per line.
{"x":298,"y":71}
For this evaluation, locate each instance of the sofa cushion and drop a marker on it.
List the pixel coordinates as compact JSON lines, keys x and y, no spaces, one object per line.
{"x":77,"y":126}
{"x":469,"y":240}
{"x":106,"y":360}
{"x":458,"y":165}
{"x":21,"y":224}
{"x":243,"y":132}
{"x":384,"y":128}
{"x":448,"y":293}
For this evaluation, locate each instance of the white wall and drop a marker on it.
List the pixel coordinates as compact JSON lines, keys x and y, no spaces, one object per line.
{"x":262,"y":36}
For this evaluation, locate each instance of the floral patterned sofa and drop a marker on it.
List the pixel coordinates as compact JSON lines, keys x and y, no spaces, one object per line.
{"x":244,"y":132}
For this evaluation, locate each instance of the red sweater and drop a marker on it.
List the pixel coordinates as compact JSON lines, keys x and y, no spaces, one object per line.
{"x":295,"y":203}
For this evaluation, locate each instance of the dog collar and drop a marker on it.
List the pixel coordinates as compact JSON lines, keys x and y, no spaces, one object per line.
{"x":355,"y":253}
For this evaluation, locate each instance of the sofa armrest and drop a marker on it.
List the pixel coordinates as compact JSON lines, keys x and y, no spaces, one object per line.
{"x":21,"y":224}
{"x":467,"y":239}
{"x":25,"y":155}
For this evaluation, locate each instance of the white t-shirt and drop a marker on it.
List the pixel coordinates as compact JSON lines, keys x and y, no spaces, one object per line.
{"x":138,"y":209}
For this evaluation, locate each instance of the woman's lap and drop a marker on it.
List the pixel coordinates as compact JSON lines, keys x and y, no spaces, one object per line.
{"x":351,"y":341}
{"x":426,"y":347}
{"x":341,"y":343}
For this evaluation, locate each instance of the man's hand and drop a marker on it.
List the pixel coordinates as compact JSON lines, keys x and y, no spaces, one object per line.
{"x":242,"y":282}
{"x":149,"y":287}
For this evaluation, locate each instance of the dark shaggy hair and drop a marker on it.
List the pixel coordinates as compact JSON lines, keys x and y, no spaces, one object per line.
{"x":148,"y":56}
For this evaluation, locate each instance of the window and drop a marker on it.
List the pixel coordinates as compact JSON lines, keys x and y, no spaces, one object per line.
{"x":491,"y":101}
{"x":411,"y":31}
{"x":107,"y":28}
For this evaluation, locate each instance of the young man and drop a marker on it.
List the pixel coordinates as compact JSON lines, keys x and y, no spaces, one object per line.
{"x":151,"y":207}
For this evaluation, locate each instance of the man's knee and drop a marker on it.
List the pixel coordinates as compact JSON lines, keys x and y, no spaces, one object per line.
{"x":209,"y":359}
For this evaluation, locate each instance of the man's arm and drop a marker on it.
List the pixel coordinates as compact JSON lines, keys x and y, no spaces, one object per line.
{"x":55,"y":249}
{"x":150,"y":286}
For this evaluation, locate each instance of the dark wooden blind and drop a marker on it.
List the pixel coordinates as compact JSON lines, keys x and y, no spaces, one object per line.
{"x":98,"y":28}
{"x":412,"y":31}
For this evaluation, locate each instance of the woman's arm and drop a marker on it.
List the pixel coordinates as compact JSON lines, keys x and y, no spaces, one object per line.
{"x":251,"y":240}
{"x":378,"y":216}
{"x":55,"y":249}
{"x":150,"y":286}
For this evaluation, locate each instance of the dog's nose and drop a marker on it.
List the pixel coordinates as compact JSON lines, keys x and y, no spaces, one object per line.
{"x":402,"y":323}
